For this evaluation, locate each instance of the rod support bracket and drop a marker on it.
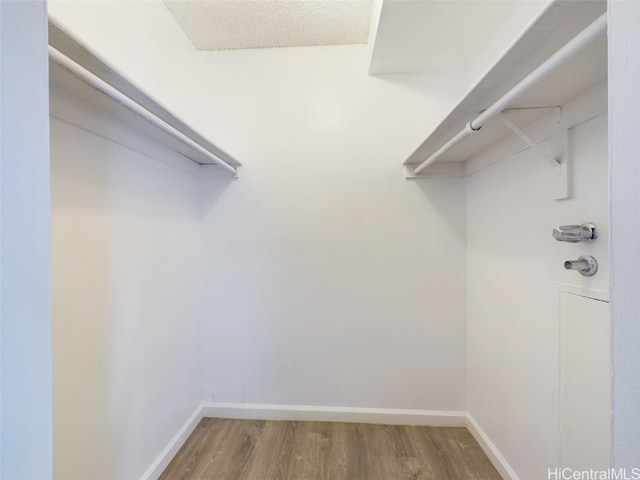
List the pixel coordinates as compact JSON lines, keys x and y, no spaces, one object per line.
{"x":528,"y":140}
{"x":559,"y":159}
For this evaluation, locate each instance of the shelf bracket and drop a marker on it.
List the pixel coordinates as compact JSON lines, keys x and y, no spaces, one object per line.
{"x":528,"y":140}
{"x":559,"y":161}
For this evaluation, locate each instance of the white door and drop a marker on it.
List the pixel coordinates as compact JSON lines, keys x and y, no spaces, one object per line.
{"x":584,"y":383}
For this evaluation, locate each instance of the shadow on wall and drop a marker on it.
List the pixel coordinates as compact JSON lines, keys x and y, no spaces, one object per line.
{"x":438,"y":192}
{"x":212,"y":189}
{"x":127,"y":276}
{"x":82,"y":293}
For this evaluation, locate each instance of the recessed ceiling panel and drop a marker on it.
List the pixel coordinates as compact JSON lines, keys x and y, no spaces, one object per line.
{"x":238,"y":24}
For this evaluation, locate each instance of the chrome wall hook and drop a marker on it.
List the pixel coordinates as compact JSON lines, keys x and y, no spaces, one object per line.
{"x":575,"y":233}
{"x":586,"y":265}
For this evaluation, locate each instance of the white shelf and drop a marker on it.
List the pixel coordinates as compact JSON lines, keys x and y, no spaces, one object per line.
{"x":78,"y":72}
{"x":553,"y":28}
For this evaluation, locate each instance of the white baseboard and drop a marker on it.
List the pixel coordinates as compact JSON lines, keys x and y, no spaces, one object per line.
{"x":496,"y":458}
{"x":165,"y":457}
{"x":387,"y":416}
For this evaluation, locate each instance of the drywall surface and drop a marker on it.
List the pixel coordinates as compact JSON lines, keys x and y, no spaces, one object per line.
{"x":228,"y":106}
{"x":25,"y":292}
{"x":624,"y":120}
{"x":464,"y":37}
{"x":0,"y":251}
{"x":330,"y":280}
{"x":126,"y":299}
{"x":513,"y":269}
{"x":502,"y":37}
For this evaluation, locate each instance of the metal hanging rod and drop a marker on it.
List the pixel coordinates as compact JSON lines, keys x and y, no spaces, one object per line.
{"x":580,"y":41}
{"x":131,"y":105}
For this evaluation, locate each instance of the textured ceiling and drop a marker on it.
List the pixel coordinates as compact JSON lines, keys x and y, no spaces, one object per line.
{"x":236,"y":24}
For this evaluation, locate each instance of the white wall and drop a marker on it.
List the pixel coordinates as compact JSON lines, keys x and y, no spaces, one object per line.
{"x":127,"y":260}
{"x":334,"y":293}
{"x":231,"y":96}
{"x":330,"y":280}
{"x":624,"y":68}
{"x":513,"y":303}
{"x":520,"y":16}
{"x":25,"y":294}
{"x":307,"y":274}
{"x":1,"y":111}
{"x":462,"y":37}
